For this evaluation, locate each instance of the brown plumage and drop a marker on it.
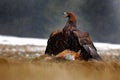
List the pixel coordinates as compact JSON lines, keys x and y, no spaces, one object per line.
{"x":70,"y":37}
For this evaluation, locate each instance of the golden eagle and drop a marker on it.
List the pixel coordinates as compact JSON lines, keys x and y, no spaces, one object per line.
{"x":70,"y":37}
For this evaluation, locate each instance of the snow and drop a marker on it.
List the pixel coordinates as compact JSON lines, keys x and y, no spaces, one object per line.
{"x":11,"y":40}
{"x":106,"y":46}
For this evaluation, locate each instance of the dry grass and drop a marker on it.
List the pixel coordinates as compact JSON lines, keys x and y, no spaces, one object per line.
{"x":12,"y":68}
{"x":62,"y":70}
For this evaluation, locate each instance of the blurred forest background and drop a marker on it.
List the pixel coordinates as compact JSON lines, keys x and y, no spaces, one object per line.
{"x":38,"y":18}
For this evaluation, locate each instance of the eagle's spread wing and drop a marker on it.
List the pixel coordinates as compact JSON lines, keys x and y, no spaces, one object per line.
{"x":87,"y":46}
{"x":56,"y":43}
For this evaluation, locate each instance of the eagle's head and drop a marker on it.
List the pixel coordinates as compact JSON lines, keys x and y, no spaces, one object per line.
{"x":71,"y":16}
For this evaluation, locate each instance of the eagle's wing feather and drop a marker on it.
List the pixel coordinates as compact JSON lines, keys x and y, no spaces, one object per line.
{"x":92,"y":52}
{"x":56,"y":43}
{"x":87,"y":45}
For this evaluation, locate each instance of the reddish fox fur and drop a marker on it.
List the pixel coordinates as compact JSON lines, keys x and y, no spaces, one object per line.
{"x":72,"y":53}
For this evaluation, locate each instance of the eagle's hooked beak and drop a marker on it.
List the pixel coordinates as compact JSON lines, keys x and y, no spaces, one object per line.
{"x":65,"y":14}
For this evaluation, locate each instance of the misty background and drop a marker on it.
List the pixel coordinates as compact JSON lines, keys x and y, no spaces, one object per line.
{"x":38,"y":18}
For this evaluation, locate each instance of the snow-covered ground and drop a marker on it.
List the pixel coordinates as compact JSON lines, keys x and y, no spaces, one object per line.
{"x":19,"y":47}
{"x":10,"y":40}
{"x":106,"y":46}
